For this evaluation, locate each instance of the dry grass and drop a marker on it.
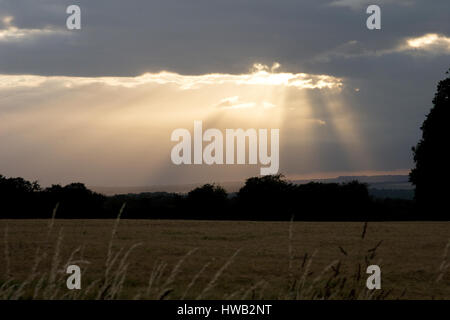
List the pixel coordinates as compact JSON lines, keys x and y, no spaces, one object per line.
{"x":157,"y":259}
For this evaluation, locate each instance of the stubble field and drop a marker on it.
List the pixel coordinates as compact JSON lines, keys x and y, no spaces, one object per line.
{"x":167,"y":259}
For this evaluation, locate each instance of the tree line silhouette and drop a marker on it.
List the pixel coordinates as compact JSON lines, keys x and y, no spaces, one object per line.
{"x":261,"y":198}
{"x":431,"y":157}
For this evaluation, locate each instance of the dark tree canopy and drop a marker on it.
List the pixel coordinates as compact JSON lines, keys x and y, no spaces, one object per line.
{"x":208,"y":194}
{"x":265,"y":192}
{"x":13,"y":186}
{"x":207,"y":201}
{"x":266,"y":196}
{"x":431,"y":156}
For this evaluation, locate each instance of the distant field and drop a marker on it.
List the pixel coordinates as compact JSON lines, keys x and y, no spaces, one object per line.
{"x":250,"y":260}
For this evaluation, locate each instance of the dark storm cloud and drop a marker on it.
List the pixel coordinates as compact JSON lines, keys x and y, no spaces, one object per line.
{"x":128,"y":38}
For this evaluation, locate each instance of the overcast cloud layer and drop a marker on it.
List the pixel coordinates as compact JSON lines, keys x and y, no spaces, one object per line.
{"x":388,"y":76}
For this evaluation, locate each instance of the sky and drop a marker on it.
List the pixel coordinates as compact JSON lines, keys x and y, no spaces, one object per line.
{"x":99,"y":105}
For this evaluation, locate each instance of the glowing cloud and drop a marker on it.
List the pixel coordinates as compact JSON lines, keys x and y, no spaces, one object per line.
{"x":429,"y":42}
{"x":235,"y":103}
{"x":12,"y":33}
{"x":259,"y":76}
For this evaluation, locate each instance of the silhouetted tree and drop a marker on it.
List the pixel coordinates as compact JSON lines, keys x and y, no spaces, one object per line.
{"x":431,"y":155}
{"x":75,"y":201}
{"x":207,"y":201}
{"x":266,"y":197}
{"x":17,"y":185}
{"x":18,"y":197}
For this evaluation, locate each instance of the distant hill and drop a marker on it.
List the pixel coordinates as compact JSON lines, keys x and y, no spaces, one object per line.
{"x":390,"y":186}
{"x":381,"y":186}
{"x":394,"y":182}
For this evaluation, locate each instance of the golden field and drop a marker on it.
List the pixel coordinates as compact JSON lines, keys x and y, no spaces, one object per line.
{"x":168,"y":259}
